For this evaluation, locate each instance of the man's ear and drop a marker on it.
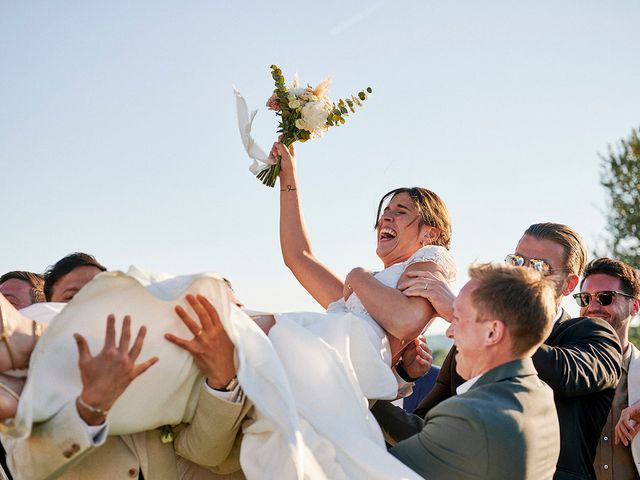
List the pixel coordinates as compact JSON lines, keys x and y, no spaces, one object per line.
{"x":495,"y":332}
{"x":635,"y":308}
{"x":572,"y":282}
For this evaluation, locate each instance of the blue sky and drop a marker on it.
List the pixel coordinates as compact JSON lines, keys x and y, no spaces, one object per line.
{"x":118,"y":133}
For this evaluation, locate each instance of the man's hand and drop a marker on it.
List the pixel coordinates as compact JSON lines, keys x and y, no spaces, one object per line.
{"x":629,"y":424}
{"x":109,"y":373}
{"x":427,"y":285}
{"x":210,"y":346}
{"x":417,"y":358}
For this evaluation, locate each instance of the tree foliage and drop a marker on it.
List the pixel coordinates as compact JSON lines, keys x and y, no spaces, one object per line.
{"x":621,"y":178}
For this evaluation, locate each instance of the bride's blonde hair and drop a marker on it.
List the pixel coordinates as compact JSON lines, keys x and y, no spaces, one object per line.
{"x":431,"y":208}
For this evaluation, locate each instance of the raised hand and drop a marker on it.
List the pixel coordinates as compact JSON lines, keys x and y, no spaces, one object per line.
{"x":288,"y":159}
{"x":425,"y":284}
{"x":106,"y":375}
{"x":210,"y":346}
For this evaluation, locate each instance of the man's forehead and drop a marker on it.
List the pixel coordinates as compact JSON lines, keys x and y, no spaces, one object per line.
{"x":602,"y":281}
{"x":465,"y":293}
{"x":539,"y":248}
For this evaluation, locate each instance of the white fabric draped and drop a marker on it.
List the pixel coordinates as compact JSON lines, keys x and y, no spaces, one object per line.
{"x":312,"y":419}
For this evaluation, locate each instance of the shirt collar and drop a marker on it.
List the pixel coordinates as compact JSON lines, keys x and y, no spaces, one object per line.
{"x":464,"y":388}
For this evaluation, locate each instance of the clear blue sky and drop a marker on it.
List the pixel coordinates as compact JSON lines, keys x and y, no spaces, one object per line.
{"x":118,"y":133}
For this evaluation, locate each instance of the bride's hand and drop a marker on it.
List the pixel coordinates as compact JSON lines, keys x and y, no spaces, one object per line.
{"x":288,"y":162}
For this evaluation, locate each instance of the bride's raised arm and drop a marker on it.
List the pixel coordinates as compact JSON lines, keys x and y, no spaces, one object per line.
{"x":314,"y":276}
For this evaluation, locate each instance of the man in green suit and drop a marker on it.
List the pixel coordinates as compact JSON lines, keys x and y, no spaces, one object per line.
{"x":503,"y":423}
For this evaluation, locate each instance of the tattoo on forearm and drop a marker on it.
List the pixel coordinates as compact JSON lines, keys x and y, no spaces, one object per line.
{"x":289,"y":188}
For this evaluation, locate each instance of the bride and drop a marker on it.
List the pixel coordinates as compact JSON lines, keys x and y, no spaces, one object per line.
{"x":413,"y":233}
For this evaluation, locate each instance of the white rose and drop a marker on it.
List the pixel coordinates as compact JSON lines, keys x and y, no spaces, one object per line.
{"x":294,"y":104}
{"x":300,"y":124}
{"x":315,"y":115}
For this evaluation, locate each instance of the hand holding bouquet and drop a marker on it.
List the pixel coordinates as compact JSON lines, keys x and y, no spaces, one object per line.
{"x":305,"y":113}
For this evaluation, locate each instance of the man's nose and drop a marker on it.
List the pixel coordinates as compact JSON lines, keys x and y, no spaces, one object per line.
{"x":449,"y":331}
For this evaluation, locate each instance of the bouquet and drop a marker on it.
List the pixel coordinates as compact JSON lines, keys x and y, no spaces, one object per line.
{"x":305,"y":113}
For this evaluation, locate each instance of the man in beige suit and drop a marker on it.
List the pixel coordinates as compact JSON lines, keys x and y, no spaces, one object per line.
{"x":73,"y":444}
{"x":610,"y":290}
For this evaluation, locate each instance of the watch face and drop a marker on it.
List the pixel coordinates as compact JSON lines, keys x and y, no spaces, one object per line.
{"x":232,"y":384}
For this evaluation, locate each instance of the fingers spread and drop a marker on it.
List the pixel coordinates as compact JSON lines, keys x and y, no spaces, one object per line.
{"x":137,"y":345}
{"x":203,"y":316}
{"x":110,"y":335}
{"x":83,"y":347}
{"x":125,"y":335}
{"x":212,"y":314}
{"x":180,"y":342}
{"x":143,"y":367}
{"x":187,"y":319}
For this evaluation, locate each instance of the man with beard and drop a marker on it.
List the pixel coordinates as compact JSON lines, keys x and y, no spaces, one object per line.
{"x":610,"y":290}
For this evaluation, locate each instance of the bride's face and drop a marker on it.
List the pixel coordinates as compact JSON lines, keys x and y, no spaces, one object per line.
{"x":399,"y":230}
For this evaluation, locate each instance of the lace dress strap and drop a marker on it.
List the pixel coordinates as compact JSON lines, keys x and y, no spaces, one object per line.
{"x":438,"y":255}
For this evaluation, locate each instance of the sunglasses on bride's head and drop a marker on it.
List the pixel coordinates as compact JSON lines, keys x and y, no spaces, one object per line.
{"x":519,"y":261}
{"x":603,"y":298}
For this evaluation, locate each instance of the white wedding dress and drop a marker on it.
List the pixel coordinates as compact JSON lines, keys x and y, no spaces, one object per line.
{"x":309,"y":380}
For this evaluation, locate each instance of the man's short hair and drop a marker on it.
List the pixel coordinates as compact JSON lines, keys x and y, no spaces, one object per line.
{"x":575,"y":251}
{"x":53,"y":273}
{"x":521,"y":298}
{"x":629,"y":276}
{"x":35,"y":281}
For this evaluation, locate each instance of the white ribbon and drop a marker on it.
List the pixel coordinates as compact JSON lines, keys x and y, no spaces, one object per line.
{"x":261,"y":161}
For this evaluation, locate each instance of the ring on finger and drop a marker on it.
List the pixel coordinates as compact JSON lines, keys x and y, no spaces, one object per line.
{"x":198,"y":333}
{"x":425,"y":285}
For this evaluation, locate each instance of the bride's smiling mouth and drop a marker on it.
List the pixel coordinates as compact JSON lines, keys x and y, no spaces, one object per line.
{"x":386,"y":234}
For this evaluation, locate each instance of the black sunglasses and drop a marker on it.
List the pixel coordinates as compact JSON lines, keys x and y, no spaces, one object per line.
{"x":603,"y":298}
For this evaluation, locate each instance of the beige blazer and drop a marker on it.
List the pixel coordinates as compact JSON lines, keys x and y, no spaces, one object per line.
{"x":62,"y":448}
{"x":633,"y":386}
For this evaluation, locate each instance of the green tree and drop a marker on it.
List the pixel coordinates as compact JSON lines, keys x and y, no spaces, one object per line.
{"x":621,"y":178}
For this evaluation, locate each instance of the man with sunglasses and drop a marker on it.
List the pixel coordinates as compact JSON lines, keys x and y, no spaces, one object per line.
{"x":580,"y":360}
{"x":610,"y":290}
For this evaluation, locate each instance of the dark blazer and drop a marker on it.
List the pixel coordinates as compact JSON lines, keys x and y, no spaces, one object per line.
{"x":504,"y":427}
{"x":580,"y":361}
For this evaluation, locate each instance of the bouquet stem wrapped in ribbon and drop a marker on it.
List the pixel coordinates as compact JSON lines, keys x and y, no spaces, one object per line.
{"x":305,"y":113}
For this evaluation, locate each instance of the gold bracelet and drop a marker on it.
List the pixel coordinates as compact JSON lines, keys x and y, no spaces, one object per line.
{"x":98,"y":412}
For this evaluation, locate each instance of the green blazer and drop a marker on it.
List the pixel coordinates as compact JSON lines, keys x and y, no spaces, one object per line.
{"x":504,"y":427}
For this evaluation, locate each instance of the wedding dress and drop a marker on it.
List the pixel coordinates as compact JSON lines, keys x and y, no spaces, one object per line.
{"x":309,"y":380}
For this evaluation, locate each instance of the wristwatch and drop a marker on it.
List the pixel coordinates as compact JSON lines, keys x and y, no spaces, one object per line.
{"x":233,"y":383}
